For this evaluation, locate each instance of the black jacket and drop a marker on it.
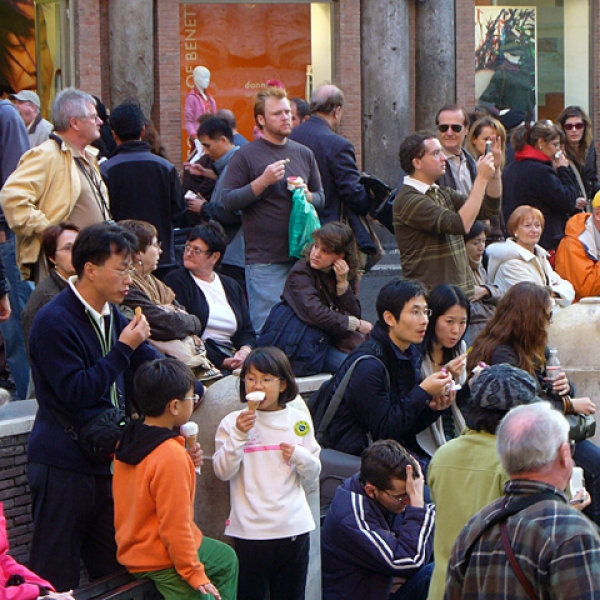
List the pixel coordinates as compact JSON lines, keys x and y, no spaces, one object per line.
{"x":368,"y":407}
{"x":190,"y":295}
{"x":447,"y":179}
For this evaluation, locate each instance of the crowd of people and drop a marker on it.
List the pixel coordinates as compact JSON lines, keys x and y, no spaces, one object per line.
{"x":124,"y":331}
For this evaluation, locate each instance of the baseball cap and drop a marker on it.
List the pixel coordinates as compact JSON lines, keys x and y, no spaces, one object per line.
{"x":27,"y":96}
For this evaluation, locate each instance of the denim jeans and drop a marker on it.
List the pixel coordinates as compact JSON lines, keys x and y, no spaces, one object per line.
{"x":264,"y":284}
{"x":417,"y":586}
{"x":12,"y":330}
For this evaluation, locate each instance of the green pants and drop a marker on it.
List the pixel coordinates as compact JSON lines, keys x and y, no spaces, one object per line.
{"x":221,"y":566}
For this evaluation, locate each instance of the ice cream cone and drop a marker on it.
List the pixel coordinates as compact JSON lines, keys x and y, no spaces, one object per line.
{"x":254,"y":399}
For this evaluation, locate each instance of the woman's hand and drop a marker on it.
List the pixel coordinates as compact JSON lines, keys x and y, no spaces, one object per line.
{"x":287,"y":450}
{"x":341,"y":270}
{"x":364,"y":327}
{"x":497,"y":150}
{"x":561,"y":384}
{"x":245,"y":420}
{"x":581,"y":203}
{"x":481,"y":292}
{"x":457,"y":366}
{"x":560,"y":159}
{"x":583,"y":405}
{"x":443,"y":401}
{"x":238,"y":359}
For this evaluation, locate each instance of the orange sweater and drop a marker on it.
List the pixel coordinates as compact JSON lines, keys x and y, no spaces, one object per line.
{"x":154,"y":513}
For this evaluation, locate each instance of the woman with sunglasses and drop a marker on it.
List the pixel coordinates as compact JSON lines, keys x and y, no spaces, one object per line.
{"x":580,"y":149}
{"x":218,"y":301}
{"x":541,"y":177}
{"x":517,"y":335}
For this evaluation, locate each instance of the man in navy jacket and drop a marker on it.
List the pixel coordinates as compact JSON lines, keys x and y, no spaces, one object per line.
{"x":81,"y":346}
{"x":379,"y":528}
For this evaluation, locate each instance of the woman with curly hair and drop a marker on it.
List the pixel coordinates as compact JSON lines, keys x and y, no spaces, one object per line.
{"x":579,"y":148}
{"x":321,"y":290}
{"x":517,"y":335}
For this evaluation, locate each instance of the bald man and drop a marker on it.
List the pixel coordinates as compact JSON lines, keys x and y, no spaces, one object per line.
{"x":335,"y":155}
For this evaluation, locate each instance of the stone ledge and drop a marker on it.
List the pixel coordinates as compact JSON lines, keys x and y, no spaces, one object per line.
{"x":17,"y":417}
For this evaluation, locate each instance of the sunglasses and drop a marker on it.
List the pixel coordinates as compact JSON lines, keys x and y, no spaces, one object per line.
{"x":569,"y":126}
{"x":455,"y":127}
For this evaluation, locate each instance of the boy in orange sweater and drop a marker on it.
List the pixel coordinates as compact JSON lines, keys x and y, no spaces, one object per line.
{"x":154,"y":485}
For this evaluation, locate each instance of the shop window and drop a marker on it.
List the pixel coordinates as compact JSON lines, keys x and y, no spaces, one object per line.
{"x":245,"y":45}
{"x":533,"y":56}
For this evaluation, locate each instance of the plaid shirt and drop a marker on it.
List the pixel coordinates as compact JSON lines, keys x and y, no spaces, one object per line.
{"x":556,"y":546}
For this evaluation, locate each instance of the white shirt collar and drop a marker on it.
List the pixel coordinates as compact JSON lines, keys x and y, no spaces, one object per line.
{"x":97,"y":316}
{"x":420,"y":186}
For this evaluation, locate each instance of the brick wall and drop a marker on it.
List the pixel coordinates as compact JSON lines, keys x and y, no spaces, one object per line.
{"x":14,"y":494}
{"x":465,"y":51}
{"x":88,"y":60}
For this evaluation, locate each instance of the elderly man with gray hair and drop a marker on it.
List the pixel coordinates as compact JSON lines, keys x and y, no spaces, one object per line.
{"x":531,"y":543}
{"x":56,"y":181}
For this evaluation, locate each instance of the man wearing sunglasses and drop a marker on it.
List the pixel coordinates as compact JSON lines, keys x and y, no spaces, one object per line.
{"x":378,"y":532}
{"x":452,"y":122}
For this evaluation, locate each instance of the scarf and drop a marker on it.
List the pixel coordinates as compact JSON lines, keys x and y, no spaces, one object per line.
{"x":154,"y":288}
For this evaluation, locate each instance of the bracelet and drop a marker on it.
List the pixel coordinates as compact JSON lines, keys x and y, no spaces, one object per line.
{"x":568,"y":404}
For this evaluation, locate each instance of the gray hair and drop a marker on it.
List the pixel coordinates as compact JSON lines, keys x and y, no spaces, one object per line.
{"x":70,"y":103}
{"x":325,"y":99}
{"x":529,"y":437}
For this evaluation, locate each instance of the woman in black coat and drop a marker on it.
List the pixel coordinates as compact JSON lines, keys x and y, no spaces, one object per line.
{"x":218,"y":301}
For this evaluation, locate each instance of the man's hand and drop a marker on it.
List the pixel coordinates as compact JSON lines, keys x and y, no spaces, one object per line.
{"x":581,"y":203}
{"x":274,"y":172}
{"x":199,"y":170}
{"x":435,"y":384}
{"x":137,"y":332}
{"x":4,"y":308}
{"x":485,"y":166}
{"x":209,"y":588}
{"x":414,"y":487}
{"x":197,"y":455}
{"x":196,"y":203}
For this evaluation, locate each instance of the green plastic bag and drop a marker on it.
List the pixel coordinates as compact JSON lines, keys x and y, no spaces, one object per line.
{"x":303,"y":221}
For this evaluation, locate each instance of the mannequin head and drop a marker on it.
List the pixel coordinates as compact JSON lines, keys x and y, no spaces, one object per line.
{"x":201,"y":78}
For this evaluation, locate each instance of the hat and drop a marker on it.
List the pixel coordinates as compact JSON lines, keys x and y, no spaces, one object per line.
{"x":27,"y":96}
{"x":596,"y":200}
{"x":511,"y":118}
{"x":502,"y":387}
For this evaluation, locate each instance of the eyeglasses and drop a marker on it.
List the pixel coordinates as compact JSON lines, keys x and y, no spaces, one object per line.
{"x":67,"y":248}
{"x":416,"y":313}
{"x":157,"y":244}
{"x":193,"y":398}
{"x":569,"y":126}
{"x":91,"y":117}
{"x":122,"y":273}
{"x":456,"y":127}
{"x":572,"y":447}
{"x":400,"y":498}
{"x":266,"y":381}
{"x":196,"y":250}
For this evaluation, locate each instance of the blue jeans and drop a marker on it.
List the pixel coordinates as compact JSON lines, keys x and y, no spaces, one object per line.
{"x":417,"y":587}
{"x":333,"y":360}
{"x":264,"y":284}
{"x":587,"y":456}
{"x":12,"y":330}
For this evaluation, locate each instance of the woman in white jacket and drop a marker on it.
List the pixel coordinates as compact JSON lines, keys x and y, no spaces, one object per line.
{"x":521,"y":258}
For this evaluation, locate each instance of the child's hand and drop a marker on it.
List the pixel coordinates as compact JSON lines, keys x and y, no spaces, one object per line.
{"x":209,"y":588}
{"x":197,"y":455}
{"x":245,"y":421}
{"x":287,"y":450}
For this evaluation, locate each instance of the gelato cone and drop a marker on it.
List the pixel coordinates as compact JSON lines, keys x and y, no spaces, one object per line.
{"x":189,"y":431}
{"x":254,"y":399}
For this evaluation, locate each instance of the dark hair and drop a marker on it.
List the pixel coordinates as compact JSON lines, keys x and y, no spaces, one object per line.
{"x":302,"y":107}
{"x":97,"y":243}
{"x":383,"y":461}
{"x":272,"y":361}
{"x":13,"y":22}
{"x":520,"y":321}
{"x":152,"y":137}
{"x":143,"y":231}
{"x":578,"y":154}
{"x":542,"y":130}
{"x":127,"y":121}
{"x":325,"y":99}
{"x":216,"y":128}
{"x":483,"y":419}
{"x":413,"y":147}
{"x":394,"y":295}
{"x":212,"y":234}
{"x":443,"y":298}
{"x":159,"y":381}
{"x":338,"y":238}
{"x":50,"y":237}
{"x":477,"y":228}
{"x":453,"y":108}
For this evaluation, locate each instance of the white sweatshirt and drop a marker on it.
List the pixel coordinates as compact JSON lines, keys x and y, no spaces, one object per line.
{"x":267,"y":497}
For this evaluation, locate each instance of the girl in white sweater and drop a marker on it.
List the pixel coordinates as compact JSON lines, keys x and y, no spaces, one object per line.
{"x":266,"y":454}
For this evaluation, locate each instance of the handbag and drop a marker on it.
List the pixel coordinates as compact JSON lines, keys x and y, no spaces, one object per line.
{"x":305,"y":346}
{"x":98,"y":438}
{"x":581,"y":427}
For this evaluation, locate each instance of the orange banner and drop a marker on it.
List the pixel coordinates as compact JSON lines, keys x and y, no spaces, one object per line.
{"x":243,"y":46}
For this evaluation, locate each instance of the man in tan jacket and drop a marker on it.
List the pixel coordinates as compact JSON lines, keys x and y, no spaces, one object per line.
{"x":56,"y":181}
